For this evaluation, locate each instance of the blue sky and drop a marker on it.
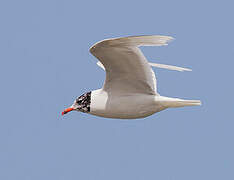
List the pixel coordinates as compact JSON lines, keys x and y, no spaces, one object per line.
{"x":45,"y":65}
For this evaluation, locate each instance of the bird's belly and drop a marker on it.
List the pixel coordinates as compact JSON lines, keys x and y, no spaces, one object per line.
{"x":126,"y":107}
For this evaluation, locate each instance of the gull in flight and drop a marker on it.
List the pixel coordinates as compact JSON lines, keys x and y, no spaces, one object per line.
{"x":130,"y":89}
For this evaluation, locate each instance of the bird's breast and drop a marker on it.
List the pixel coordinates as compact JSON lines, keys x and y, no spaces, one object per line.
{"x":124,"y":106}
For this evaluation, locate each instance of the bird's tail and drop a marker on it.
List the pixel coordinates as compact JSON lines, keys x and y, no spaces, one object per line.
{"x":176,"y":102}
{"x":182,"y":103}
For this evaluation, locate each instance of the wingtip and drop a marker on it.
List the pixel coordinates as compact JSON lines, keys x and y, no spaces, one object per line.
{"x":200,"y":103}
{"x":170,"y":67}
{"x":171,"y":38}
{"x":187,"y":69}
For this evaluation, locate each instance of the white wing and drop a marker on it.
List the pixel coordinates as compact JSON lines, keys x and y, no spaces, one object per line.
{"x":127,"y":70}
{"x":170,"y":67}
{"x":164,"y":66}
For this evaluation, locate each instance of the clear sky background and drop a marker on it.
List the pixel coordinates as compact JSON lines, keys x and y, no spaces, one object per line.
{"x":45,"y":65}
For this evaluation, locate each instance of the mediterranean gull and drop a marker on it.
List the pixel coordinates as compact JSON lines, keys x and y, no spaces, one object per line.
{"x":129,"y":90}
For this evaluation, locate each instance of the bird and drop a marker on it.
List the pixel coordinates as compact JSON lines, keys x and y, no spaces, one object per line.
{"x":130,"y":88}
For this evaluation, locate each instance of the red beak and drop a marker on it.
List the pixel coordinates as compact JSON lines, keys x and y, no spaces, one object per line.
{"x":67,"y":110}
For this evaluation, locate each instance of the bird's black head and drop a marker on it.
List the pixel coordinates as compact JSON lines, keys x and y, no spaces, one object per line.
{"x":81,"y":103}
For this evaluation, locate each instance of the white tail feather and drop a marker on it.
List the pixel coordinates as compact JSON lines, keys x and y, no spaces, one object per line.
{"x":176,"y":102}
{"x":181,"y":103}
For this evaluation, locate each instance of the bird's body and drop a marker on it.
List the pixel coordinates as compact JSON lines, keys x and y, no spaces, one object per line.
{"x":128,"y":106}
{"x":130,"y":90}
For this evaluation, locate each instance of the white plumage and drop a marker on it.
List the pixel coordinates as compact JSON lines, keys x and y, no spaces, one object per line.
{"x":130,"y":89}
